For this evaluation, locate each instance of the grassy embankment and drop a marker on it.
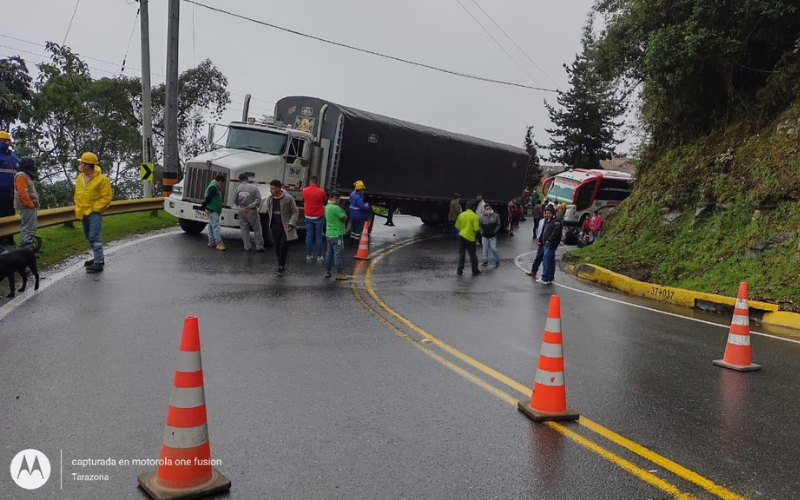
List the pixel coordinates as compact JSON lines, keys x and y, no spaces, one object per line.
{"x":61,"y":242}
{"x":708,"y":215}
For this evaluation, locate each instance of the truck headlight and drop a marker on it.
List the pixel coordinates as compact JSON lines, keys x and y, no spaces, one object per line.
{"x":177,"y":190}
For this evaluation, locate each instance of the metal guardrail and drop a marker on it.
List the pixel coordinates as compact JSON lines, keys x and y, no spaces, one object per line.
{"x":55,"y":216}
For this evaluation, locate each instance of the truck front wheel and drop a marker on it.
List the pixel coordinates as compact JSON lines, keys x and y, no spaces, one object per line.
{"x":191,"y":226}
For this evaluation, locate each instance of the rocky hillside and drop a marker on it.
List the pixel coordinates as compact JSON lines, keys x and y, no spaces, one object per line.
{"x":710,"y":214}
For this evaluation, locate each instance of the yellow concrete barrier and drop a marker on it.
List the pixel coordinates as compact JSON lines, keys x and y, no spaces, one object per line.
{"x":666,"y":294}
{"x":782,"y":318}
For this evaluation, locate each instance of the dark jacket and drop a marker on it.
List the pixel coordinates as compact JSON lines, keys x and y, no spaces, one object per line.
{"x":9,"y":165}
{"x":213,"y":199}
{"x":551,"y":233}
{"x":490,"y":225}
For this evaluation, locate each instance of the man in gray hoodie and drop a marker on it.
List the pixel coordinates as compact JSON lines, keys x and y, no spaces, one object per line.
{"x":490,"y":226}
{"x":248,"y":199}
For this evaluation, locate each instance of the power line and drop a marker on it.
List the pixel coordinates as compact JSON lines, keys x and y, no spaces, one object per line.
{"x":133,"y":30}
{"x":496,"y":42}
{"x":45,"y":57}
{"x":262,"y":109}
{"x":104,"y":62}
{"x":515,"y":43}
{"x":70,"y":21}
{"x":371,"y":52}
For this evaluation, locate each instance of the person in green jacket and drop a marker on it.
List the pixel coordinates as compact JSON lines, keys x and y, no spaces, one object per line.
{"x":334,"y":233}
{"x":467,"y":225}
{"x":212,"y":205}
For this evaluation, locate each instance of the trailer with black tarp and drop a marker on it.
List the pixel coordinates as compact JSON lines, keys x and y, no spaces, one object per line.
{"x":403,"y":165}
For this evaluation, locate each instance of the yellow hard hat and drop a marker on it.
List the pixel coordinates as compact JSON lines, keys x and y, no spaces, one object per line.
{"x":359,"y":185}
{"x":563,"y":205}
{"x":5,"y":135}
{"x":88,"y":158}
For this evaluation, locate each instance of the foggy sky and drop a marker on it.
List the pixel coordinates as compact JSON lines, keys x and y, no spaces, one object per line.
{"x":270,"y":64}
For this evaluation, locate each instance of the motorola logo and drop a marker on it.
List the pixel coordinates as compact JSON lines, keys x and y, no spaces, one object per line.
{"x":30,"y":469}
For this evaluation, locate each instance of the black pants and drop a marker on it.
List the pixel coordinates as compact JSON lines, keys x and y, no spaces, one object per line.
{"x":535,"y":224}
{"x":281,"y":243}
{"x":463,"y":247}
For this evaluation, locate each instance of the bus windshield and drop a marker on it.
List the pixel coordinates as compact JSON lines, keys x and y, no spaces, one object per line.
{"x":562,"y":190}
{"x":267,"y":142}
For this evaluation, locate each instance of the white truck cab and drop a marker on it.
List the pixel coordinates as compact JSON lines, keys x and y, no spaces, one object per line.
{"x":265,"y":150}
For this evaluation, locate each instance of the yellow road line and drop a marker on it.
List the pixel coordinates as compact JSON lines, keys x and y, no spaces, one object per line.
{"x":661,"y":461}
{"x":617,"y":460}
{"x":612,"y":436}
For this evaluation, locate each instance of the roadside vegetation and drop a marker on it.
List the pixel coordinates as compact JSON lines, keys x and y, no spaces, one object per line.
{"x":716,"y":199}
{"x":62,"y":242}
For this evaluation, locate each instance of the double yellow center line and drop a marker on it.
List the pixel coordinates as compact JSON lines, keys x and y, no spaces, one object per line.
{"x":428,"y":338}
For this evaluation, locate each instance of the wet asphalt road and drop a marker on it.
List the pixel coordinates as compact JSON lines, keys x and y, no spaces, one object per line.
{"x":310,"y":396}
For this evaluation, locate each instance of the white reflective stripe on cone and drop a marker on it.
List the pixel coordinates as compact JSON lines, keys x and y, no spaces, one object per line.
{"x":189,"y":361}
{"x":544,"y":377}
{"x":552,"y":325}
{"x":187,"y":397}
{"x":551,"y":350}
{"x":740,"y":320}
{"x":741,"y":304}
{"x":738,"y":339}
{"x":185,"y":437}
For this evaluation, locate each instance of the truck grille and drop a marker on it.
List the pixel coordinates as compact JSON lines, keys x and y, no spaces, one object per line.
{"x":198,"y":177}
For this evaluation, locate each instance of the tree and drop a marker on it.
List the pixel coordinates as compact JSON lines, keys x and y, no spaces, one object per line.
{"x":585,"y":124}
{"x":202,"y":98}
{"x":533,"y":176}
{"x":700,"y":63}
{"x":15,"y":91}
{"x":72,"y":113}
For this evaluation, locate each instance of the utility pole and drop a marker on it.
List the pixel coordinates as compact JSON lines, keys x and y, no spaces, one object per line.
{"x":171,"y":116}
{"x":147,"y":108}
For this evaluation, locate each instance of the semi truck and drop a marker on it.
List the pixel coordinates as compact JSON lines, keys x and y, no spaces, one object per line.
{"x":403,"y":165}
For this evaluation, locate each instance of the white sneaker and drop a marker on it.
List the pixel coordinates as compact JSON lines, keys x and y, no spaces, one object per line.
{"x":309,"y":257}
{"x":539,"y":281}
{"x":320,"y":258}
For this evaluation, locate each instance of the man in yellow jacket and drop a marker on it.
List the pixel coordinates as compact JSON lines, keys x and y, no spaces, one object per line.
{"x":467,"y":225}
{"x":92,"y":198}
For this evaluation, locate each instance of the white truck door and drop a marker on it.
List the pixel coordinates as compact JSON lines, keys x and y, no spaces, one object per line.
{"x":297,"y":164}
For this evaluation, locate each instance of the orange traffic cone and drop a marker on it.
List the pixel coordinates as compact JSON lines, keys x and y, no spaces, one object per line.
{"x":737,"y":352}
{"x":363,"y":245}
{"x":549,"y":397}
{"x":184,"y":468}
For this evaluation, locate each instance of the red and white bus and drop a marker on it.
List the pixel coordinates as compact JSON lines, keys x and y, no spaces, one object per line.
{"x":585,"y":191}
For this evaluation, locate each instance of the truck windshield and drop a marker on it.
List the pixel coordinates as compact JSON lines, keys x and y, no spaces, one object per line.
{"x":260,"y":141}
{"x":562,"y":189}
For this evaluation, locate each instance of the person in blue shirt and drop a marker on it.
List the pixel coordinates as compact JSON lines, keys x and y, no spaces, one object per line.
{"x":359,"y":213}
{"x":9,"y":165}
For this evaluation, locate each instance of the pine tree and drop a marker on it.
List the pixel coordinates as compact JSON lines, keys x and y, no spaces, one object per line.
{"x":533,"y":175}
{"x":585,"y":122}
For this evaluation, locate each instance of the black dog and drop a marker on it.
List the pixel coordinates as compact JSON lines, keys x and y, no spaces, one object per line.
{"x":17,"y":261}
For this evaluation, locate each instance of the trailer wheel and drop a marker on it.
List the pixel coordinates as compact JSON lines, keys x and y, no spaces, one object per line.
{"x":191,"y":226}
{"x":503,"y":221}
